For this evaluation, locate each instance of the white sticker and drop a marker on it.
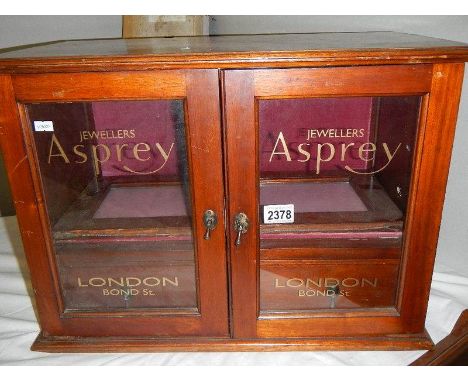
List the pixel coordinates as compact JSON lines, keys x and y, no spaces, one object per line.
{"x":43,"y":126}
{"x":278,"y":213}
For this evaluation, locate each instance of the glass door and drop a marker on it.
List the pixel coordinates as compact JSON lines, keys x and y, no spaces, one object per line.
{"x":134,"y":233}
{"x":321,"y":165}
{"x":334,"y":177}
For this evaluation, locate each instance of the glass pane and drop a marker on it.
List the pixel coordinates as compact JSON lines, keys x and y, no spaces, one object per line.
{"x":117,"y":194}
{"x":334,"y":185}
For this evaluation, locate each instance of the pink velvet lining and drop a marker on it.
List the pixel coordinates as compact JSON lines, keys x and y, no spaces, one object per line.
{"x":160,"y":201}
{"x":141,"y":202}
{"x":312,"y":196}
{"x":135,"y":202}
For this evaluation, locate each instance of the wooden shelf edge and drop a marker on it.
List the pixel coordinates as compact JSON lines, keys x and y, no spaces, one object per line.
{"x":236,"y":60}
{"x":419,"y":341}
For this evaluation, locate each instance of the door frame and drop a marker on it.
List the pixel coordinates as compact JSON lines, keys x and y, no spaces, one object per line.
{"x":242,"y":89}
{"x":200,"y":91}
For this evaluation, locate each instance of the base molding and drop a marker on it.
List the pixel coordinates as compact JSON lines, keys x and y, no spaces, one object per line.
{"x":452,"y":350}
{"x":48,"y":344}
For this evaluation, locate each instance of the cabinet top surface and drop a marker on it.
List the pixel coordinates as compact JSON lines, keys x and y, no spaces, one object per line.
{"x":234,"y":51}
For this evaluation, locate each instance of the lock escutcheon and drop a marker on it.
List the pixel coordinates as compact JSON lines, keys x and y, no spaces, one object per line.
{"x":241,"y":224}
{"x":209,"y":220}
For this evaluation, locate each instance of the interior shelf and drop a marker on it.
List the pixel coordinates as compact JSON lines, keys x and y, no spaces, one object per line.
{"x":328,"y":211}
{"x":131,"y":211}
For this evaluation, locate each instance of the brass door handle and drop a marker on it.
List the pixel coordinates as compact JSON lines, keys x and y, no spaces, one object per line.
{"x":209,"y":220}
{"x":241,"y":224}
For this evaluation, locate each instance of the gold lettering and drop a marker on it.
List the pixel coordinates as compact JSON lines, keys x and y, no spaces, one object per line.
{"x":79,"y":153}
{"x":96,"y":158}
{"x":319,"y":155}
{"x":372,"y":283}
{"x":363,"y":149}
{"x":350,"y":282}
{"x":285,"y":151}
{"x":111,"y":281}
{"x":315,"y":283}
{"x":119,"y":149}
{"x":388,"y":153}
{"x":277,"y":284}
{"x":312,"y":284}
{"x":62,"y":154}
{"x":93,"y":134}
{"x":304,"y":152}
{"x":125,"y":292}
{"x":164,"y":155}
{"x":294,"y":283}
{"x":344,"y":148}
{"x":330,"y":282}
{"x":151,"y":281}
{"x":120,"y":292}
{"x":97,"y":282}
{"x":174,"y":282}
{"x":390,"y":156}
{"x":312,"y":134}
{"x":128,"y":281}
{"x":137,"y":150}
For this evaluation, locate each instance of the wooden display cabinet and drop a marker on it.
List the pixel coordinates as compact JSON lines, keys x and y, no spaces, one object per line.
{"x":276,"y":192}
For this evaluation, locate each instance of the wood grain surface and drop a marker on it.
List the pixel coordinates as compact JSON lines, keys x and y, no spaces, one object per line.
{"x":236,"y":51}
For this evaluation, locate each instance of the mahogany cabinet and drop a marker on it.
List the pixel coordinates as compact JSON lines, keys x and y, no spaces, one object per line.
{"x":275,"y":192}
